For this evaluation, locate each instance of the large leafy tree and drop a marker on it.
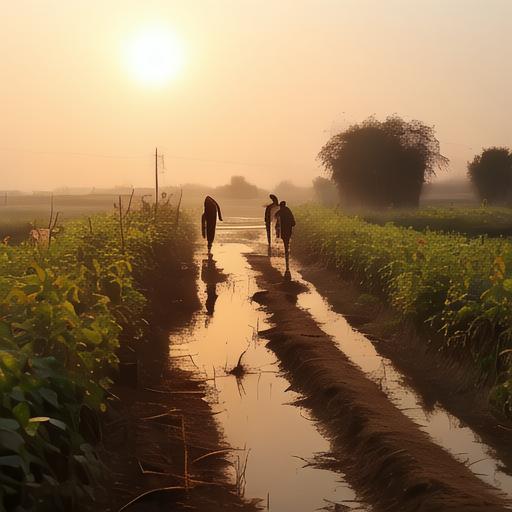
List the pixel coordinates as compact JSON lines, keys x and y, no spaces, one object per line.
{"x":491,"y":174}
{"x":382,"y":163}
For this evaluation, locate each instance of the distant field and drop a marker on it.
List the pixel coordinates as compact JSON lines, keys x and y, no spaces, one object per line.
{"x":21,"y":213}
{"x":469,"y":221}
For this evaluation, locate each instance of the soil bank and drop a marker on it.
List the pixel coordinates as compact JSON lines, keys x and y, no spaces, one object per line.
{"x":392,"y":463}
{"x":436,"y":375}
{"x":161,"y":445}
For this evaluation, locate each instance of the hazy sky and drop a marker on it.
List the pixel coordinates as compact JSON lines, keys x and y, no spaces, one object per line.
{"x":262,"y":86}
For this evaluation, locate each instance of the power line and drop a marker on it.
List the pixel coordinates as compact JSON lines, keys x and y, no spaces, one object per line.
{"x":276,"y":165}
{"x":69,"y":153}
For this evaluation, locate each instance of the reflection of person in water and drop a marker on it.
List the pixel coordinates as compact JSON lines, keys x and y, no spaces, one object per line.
{"x":286,"y":222}
{"x":270,"y":213}
{"x":211,"y":276}
{"x":209,"y":220}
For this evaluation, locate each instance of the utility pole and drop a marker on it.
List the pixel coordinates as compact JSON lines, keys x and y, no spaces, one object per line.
{"x":156,"y":180}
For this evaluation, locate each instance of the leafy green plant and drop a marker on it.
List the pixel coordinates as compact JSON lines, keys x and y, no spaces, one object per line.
{"x":64,"y":311}
{"x":483,"y":221}
{"x":459,"y":286}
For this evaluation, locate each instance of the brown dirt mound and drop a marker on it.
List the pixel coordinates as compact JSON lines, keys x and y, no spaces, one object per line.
{"x":437,"y":376}
{"x":161,"y":443}
{"x":392,"y":463}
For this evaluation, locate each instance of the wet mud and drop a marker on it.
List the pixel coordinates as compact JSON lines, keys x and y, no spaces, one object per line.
{"x":280,"y":455}
{"x":440,"y":381}
{"x":392,"y":463}
{"x":161,"y":445}
{"x":217,"y":421}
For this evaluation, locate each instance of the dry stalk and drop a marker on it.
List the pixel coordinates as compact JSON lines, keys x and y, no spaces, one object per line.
{"x":240,"y":472}
{"x":185,"y":453}
{"x":130,"y":202}
{"x":121,"y":224}
{"x":178,"y":208}
{"x":51,"y":213}
{"x":239,"y":370}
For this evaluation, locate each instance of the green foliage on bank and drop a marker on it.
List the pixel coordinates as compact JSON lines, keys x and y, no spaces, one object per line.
{"x":491,"y":221}
{"x":459,"y":286}
{"x":63,"y":310}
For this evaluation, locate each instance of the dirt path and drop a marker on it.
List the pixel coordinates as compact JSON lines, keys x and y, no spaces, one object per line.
{"x":161,"y":443}
{"x":392,"y":462}
{"x":438,"y":379}
{"x":281,"y":457}
{"x":310,"y":431}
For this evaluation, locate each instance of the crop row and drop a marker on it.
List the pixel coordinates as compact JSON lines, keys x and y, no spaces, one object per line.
{"x":491,"y":221}
{"x":63,"y":310}
{"x":458,"y":286}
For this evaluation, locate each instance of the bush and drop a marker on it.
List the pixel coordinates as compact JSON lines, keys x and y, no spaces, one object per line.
{"x":62,"y":312}
{"x":381,"y":164}
{"x":491,"y":174}
{"x":458,"y":286}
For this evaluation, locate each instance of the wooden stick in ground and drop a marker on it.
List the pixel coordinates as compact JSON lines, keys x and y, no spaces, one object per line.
{"x":129,"y":203}
{"x":178,"y":207}
{"x":156,"y":181}
{"x":90,"y":224}
{"x":50,"y":231}
{"x":51,"y":228}
{"x":55,"y":221}
{"x":121,"y":224}
{"x":51,"y":214}
{"x":185,"y":453}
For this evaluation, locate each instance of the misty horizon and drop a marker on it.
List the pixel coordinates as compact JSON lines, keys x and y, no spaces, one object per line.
{"x":252,"y":89}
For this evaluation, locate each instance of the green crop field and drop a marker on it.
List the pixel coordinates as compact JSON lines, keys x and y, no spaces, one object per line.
{"x":19,"y":214}
{"x":469,"y":221}
{"x":63,"y":309}
{"x":459,"y":286}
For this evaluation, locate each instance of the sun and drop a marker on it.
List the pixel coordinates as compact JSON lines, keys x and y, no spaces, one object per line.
{"x":154,"y":56}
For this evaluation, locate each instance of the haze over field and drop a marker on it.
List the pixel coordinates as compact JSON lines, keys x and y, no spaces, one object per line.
{"x":227,"y":87}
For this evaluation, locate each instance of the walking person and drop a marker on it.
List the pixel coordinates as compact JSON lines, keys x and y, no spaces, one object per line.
{"x":209,"y":220}
{"x":270,"y":217}
{"x":286,"y":222}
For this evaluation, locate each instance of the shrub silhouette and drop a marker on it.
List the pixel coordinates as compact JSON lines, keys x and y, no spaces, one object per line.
{"x":325,"y":191}
{"x":382,"y":163}
{"x":491,"y":174}
{"x":238,"y":188}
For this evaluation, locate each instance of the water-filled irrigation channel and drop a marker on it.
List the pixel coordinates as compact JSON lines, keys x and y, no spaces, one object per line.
{"x":256,"y":413}
{"x":281,"y":449}
{"x":445,"y":430}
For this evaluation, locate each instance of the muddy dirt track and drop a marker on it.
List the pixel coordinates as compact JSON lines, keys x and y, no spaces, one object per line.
{"x":385,"y":456}
{"x":300,"y":419}
{"x":387,"y":460}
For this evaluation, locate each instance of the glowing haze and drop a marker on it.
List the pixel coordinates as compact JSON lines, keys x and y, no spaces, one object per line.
{"x":251,"y":87}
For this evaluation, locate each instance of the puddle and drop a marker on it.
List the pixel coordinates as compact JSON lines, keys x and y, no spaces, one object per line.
{"x":446,"y":430}
{"x":255,"y":413}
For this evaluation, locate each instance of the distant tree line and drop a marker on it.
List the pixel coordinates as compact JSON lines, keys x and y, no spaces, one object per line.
{"x":491,"y":175}
{"x":382,"y":164}
{"x":238,"y":188}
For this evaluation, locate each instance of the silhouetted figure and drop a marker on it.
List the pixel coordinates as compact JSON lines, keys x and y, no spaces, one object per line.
{"x":286,"y":222}
{"x":270,"y":213}
{"x":209,"y":220}
{"x":211,"y":276}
